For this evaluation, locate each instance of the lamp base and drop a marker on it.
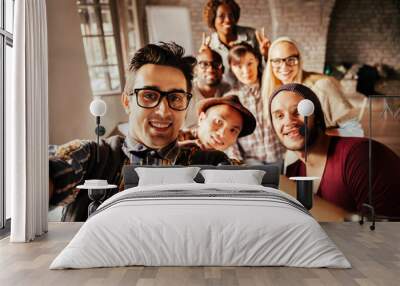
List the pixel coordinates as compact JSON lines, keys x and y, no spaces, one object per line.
{"x":372,"y":211}
{"x":100,"y":130}
{"x":304,"y":190}
{"x":304,"y":193}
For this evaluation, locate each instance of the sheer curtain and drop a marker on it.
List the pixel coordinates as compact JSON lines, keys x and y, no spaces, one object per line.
{"x":27,"y":123}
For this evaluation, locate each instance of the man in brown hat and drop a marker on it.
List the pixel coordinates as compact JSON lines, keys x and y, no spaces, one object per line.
{"x":221,"y":122}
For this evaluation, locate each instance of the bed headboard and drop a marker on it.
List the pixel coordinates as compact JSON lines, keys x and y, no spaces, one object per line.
{"x":270,"y":179}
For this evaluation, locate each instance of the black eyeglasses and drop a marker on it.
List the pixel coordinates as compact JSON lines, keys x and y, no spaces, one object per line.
{"x":204,"y":65}
{"x":290,"y":61}
{"x":150,"y":98}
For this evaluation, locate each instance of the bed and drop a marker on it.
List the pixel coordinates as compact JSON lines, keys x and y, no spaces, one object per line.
{"x":201,"y":224}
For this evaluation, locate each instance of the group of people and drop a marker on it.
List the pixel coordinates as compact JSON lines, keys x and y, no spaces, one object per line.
{"x":236,"y":103}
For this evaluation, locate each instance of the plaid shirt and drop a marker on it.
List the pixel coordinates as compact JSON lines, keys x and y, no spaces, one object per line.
{"x":76,"y":162}
{"x":262,"y":145}
{"x":140,"y":154}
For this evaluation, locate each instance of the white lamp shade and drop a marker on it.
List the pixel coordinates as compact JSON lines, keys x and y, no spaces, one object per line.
{"x":98,"y":107}
{"x":305,"y":107}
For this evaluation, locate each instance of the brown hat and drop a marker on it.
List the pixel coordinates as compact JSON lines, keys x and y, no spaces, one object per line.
{"x":249,"y":121}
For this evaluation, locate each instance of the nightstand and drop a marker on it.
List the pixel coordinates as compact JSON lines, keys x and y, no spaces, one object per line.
{"x":96,"y":194}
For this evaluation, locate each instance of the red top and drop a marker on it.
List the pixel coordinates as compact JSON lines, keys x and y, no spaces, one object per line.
{"x":345,"y":178}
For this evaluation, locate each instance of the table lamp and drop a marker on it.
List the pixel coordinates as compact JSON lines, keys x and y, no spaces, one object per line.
{"x":304,"y":190}
{"x":305,"y":108}
{"x":98,"y":108}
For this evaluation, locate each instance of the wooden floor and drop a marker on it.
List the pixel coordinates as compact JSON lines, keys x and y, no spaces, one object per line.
{"x":374,"y":255}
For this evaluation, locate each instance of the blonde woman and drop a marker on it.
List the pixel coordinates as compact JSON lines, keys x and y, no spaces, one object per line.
{"x":285,"y":65}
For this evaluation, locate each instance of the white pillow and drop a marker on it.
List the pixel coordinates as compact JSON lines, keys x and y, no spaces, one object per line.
{"x":248,"y":177}
{"x":163,"y":176}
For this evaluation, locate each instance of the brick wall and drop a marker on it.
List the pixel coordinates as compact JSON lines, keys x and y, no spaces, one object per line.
{"x":359,"y":30}
{"x":305,"y":21}
{"x":365,"y":31}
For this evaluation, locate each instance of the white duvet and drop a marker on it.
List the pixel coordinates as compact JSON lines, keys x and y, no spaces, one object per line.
{"x":183,"y":231}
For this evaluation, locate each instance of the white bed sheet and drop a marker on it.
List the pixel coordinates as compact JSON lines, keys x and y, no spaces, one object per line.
{"x":200,"y":231}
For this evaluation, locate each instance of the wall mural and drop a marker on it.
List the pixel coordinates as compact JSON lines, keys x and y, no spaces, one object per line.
{"x":232,"y":103}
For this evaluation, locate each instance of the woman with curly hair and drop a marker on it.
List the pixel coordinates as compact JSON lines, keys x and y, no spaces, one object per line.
{"x":222,"y":17}
{"x":285,"y":65}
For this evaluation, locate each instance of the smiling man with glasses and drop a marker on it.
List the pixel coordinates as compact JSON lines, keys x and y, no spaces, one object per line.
{"x":156,"y":98}
{"x":207,"y":83}
{"x":157,"y":94}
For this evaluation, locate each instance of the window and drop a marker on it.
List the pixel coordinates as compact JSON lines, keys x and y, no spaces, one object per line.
{"x":110,"y":36}
{"x":100,"y":44}
{"x":6,"y":44}
{"x":131,"y":37}
{"x":131,"y":26}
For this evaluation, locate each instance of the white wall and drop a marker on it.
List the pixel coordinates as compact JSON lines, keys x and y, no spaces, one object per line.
{"x":69,"y":85}
{"x":170,"y":23}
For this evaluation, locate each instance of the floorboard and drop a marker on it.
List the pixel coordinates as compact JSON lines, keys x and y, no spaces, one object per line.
{"x":374,"y":255}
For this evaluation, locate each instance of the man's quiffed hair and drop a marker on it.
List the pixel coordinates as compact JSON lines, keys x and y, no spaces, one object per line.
{"x":210,"y":11}
{"x":166,"y":54}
